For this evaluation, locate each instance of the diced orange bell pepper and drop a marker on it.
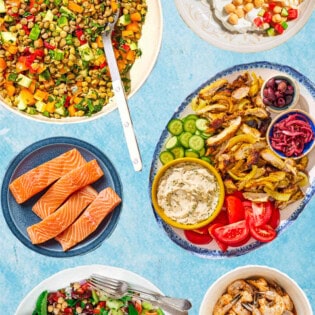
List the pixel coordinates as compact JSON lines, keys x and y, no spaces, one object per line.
{"x":75,"y":7}
{"x":41,"y":95}
{"x":12,"y":49}
{"x":99,"y":41}
{"x":3,"y":64}
{"x":136,"y":16}
{"x":114,"y":5}
{"x":127,"y":33}
{"x":131,"y":55}
{"x":32,"y":87}
{"x":72,"y":110}
{"x":50,"y":107}
{"x":134,"y":27}
{"x":27,"y":96}
{"x":10,"y":88}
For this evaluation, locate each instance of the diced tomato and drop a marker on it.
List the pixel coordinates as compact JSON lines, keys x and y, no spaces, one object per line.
{"x":68,"y":310}
{"x":292,"y":14}
{"x":274,"y":220}
{"x":138,"y":306}
{"x":96,"y":311}
{"x":211,"y":229}
{"x":232,"y":234}
{"x":235,"y":209}
{"x":125,"y":47}
{"x":26,"y":29}
{"x":258,"y":212}
{"x":267,"y":17}
{"x":272,"y":5}
{"x":264,"y":233}
{"x":258,"y":21}
{"x":197,"y":238}
{"x":102,"y":304}
{"x":279,"y":28}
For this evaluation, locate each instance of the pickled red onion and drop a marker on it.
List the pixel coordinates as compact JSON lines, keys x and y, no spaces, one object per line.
{"x":291,"y":134}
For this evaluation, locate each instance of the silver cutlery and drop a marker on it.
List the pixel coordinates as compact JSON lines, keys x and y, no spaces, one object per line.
{"x":119,"y":91}
{"x":119,"y":288}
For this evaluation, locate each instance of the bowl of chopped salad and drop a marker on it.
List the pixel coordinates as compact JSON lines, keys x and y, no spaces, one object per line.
{"x":52,"y":63}
{"x":68,"y":292}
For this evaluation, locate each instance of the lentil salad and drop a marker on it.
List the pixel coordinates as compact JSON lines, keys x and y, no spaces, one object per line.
{"x":52,"y":60}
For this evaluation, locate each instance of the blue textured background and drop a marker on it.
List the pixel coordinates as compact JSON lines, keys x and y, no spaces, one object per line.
{"x":138,"y":243}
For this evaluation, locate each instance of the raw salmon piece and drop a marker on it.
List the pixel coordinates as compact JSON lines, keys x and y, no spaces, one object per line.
{"x":40,"y":177}
{"x":106,"y":201}
{"x":58,"y":221}
{"x":65,"y":186}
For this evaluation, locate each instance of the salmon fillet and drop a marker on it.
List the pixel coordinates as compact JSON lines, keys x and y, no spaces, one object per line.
{"x":65,"y":186}
{"x":40,"y":177}
{"x":58,"y":221}
{"x":90,"y":219}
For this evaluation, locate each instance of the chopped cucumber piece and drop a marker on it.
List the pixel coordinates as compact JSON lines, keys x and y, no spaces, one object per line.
{"x":23,"y":80}
{"x":190,"y":125}
{"x":171,"y":143}
{"x":2,"y":7}
{"x":178,"y":152}
{"x":196,"y":143}
{"x":184,"y":138}
{"x":61,"y":111}
{"x":8,"y":37}
{"x":40,"y":106}
{"x":191,"y":153}
{"x":67,"y":12}
{"x":86,"y":52}
{"x":124,"y":20}
{"x":114,"y":304}
{"x":49,"y":16}
{"x":166,"y":156}
{"x":21,"y":103}
{"x":202,"y":124}
{"x":175,"y":127}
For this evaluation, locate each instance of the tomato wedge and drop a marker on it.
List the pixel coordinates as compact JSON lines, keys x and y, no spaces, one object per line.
{"x":264,"y":233}
{"x":232,"y":234}
{"x":211,"y":229}
{"x":235,"y":208}
{"x":197,"y":238}
{"x":274,"y":220}
{"x":258,"y":212}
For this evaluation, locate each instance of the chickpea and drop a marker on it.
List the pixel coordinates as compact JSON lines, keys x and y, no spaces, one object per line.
{"x":276,"y":18}
{"x":277,"y":9}
{"x":239,"y":12}
{"x":38,"y":43}
{"x":237,"y":2}
{"x":233,"y":19}
{"x":248,"y":7}
{"x":229,"y":8}
{"x":258,"y":3}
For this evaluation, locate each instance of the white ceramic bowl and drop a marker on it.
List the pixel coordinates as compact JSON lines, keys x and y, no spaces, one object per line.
{"x":302,"y":305}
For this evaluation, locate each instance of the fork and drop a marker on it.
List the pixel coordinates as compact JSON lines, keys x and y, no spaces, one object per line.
{"x":120,"y":92}
{"x":119,"y":288}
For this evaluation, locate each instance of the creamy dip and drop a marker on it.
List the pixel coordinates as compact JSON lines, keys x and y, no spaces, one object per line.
{"x":188,"y":193}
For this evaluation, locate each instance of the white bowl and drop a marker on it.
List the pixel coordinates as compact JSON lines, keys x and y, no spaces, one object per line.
{"x":302,"y":305}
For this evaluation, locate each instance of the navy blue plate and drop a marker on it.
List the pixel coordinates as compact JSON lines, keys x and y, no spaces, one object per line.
{"x":19,"y":217}
{"x":306,"y":103}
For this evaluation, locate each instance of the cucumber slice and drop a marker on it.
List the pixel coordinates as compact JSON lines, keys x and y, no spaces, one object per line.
{"x":202,"y":152}
{"x":206,"y":135}
{"x":178,"y":152}
{"x":166,"y":156}
{"x":196,"y":142}
{"x":190,"y":125}
{"x":191,"y":153}
{"x":191,"y":116}
{"x":207,"y":159}
{"x":171,"y":143}
{"x":202,"y":124}
{"x":175,"y":127}
{"x":184,"y":138}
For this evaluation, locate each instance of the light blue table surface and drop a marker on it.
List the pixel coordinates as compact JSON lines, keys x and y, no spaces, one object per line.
{"x":138,"y":243}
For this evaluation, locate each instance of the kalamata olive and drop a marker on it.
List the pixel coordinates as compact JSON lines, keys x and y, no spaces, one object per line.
{"x":267,"y":102}
{"x":278,"y":94}
{"x":290,"y":89}
{"x":271,"y":83}
{"x":288,"y":99}
{"x":281,"y":101}
{"x":271,"y":94}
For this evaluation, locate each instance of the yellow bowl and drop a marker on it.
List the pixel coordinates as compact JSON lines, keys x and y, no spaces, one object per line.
{"x":161,"y":212}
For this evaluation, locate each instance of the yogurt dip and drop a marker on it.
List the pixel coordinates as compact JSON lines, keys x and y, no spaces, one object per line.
{"x":188,"y":193}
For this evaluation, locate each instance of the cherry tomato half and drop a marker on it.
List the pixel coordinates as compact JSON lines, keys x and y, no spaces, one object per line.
{"x":232,"y":234}
{"x":264,"y":233}
{"x":197,"y":238}
{"x":235,"y":208}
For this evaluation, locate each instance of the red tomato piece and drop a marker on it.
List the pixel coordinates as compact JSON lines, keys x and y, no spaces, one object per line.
{"x":243,"y":242}
{"x":258,"y":22}
{"x":259,"y":212}
{"x":197,"y":238}
{"x":222,"y":218}
{"x":274,"y":220}
{"x":211,"y":229}
{"x":279,"y":28}
{"x":272,"y":5}
{"x":232,"y":234}
{"x":235,"y":209}
{"x":264,"y":233}
{"x":267,"y":17}
{"x":292,"y":14}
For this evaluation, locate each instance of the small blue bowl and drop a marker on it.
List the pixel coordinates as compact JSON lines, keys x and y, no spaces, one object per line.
{"x":307,"y":147}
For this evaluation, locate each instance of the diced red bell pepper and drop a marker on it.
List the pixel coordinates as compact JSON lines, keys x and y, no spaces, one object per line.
{"x":48,"y":46}
{"x":258,"y":21}
{"x":125,"y":47}
{"x":292,"y":14}
{"x":30,"y":17}
{"x":67,"y":101}
{"x":279,"y":28}
{"x":78,"y":33}
{"x":26,"y":29}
